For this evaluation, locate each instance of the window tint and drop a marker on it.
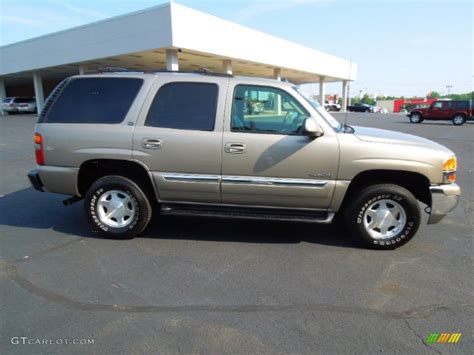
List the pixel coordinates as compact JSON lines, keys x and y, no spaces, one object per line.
{"x":182,"y":105}
{"x":22,"y":100}
{"x":95,"y":100}
{"x":266,"y":110}
{"x":462,"y":105}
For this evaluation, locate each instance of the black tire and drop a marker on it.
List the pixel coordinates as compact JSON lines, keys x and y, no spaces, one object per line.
{"x":367,"y":197}
{"x":459,"y":120}
{"x":138,"y":202}
{"x":416,"y":118}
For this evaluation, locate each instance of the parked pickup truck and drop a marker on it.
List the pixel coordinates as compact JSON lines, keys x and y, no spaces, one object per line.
{"x":456,"y":111}
{"x":359,"y":107}
{"x":135,"y":145}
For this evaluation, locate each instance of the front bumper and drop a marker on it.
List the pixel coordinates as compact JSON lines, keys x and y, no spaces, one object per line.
{"x":35,"y":180}
{"x":444,"y":198}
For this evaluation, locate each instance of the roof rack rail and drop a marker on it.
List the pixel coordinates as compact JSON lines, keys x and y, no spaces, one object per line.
{"x":202,"y":71}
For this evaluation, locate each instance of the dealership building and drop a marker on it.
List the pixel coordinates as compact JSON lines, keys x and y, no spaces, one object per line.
{"x":166,"y":37}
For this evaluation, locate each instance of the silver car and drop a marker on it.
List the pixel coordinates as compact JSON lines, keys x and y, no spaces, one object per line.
{"x":12,"y":105}
{"x":27,"y":106}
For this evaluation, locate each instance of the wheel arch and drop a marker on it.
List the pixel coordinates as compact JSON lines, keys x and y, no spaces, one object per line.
{"x":94,"y":169}
{"x":459,"y":114}
{"x":418,"y":184}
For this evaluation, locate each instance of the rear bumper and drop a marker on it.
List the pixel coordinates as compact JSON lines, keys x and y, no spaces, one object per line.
{"x":444,"y":198}
{"x":26,"y":109}
{"x":35,"y":180}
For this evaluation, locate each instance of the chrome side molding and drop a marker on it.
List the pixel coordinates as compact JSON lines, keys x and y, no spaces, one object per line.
{"x":253,"y":180}
{"x":244,"y":180}
{"x":175,"y":177}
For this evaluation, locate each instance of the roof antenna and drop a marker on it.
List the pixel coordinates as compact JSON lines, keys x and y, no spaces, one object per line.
{"x":348,"y":95}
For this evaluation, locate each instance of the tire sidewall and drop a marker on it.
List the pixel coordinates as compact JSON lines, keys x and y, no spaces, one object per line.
{"x":418,"y":116}
{"x":463,"y":120}
{"x":137,"y":197}
{"x":397,"y":194}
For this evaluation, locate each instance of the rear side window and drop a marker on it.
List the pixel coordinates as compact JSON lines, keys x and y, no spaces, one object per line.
{"x":94,"y":100}
{"x":182,"y":105}
{"x":22,"y":100}
{"x":463,"y":105}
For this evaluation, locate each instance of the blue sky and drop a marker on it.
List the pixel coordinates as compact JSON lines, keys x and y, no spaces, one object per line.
{"x":403,"y":47}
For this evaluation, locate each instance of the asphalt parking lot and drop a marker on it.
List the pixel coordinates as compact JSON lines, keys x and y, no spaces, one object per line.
{"x":193,"y":285}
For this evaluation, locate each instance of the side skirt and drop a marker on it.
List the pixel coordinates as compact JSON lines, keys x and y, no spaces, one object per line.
{"x":247,"y":212}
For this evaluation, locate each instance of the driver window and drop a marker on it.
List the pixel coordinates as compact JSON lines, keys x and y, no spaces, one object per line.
{"x":260,"y":109}
{"x":438,"y":104}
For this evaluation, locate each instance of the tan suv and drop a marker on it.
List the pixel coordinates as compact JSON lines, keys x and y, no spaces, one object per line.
{"x":200,"y":144}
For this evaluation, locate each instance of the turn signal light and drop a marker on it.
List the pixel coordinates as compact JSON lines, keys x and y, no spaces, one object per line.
{"x":39,"y":151}
{"x":450,"y":165}
{"x":38,"y":138}
{"x":452,"y":178}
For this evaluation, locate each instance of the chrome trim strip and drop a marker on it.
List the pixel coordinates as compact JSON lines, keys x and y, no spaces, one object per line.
{"x":254,"y":180}
{"x":175,"y":177}
{"x":245,"y":180}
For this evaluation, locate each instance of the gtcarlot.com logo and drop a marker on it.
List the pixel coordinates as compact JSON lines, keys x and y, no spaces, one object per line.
{"x":51,"y":341}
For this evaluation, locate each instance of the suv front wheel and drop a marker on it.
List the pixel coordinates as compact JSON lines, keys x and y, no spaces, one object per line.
{"x":384,"y":216}
{"x":117,"y":207}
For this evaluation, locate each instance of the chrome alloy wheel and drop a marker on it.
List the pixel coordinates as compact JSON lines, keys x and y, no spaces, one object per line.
{"x":415,"y":118}
{"x":116,"y":209}
{"x":458,"y":120}
{"x":384,"y":219}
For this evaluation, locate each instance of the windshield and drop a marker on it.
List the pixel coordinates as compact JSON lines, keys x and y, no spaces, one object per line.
{"x":320,"y":110}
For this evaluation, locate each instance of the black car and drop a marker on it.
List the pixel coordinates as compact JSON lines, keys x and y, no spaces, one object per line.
{"x":358,"y":107}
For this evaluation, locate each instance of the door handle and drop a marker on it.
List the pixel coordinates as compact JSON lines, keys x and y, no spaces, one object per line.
{"x":235,"y":148}
{"x":148,"y":143}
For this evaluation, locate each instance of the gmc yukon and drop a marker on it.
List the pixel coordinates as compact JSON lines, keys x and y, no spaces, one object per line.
{"x":133,"y":145}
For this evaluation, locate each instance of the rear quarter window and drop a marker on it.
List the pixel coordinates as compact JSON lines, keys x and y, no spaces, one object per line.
{"x":94,"y":100}
{"x":463,"y":105}
{"x":22,"y":100}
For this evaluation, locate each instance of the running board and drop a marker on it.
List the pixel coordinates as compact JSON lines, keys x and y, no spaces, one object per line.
{"x":220,"y":211}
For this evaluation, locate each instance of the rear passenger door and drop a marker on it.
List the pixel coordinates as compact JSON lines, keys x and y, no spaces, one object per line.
{"x":179,"y":137}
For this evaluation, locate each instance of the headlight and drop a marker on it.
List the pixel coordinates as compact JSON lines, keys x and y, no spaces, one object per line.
{"x":449,"y":170}
{"x":450,"y":165}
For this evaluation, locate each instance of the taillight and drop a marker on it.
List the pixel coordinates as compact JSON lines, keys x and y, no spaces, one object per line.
{"x":39,"y":150}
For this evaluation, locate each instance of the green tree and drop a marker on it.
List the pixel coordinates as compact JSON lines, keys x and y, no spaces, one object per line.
{"x":366,"y":99}
{"x":434,"y":95}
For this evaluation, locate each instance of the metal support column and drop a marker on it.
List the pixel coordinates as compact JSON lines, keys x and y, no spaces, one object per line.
{"x":172,"y":63}
{"x":39,"y":94}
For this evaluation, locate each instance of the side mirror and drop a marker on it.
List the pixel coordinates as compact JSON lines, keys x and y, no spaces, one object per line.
{"x":312,"y":128}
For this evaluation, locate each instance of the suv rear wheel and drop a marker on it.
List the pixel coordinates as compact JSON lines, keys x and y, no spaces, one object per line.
{"x":384,"y":216}
{"x":117,"y":207}
{"x":416,"y":118}
{"x":459,"y":120}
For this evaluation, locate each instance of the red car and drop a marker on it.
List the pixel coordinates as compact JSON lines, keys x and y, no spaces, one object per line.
{"x":456,"y":111}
